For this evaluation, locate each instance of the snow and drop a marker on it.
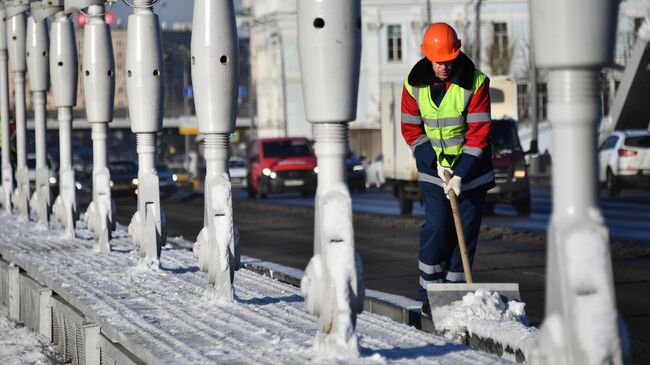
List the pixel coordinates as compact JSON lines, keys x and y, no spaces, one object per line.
{"x":19,"y":345}
{"x":163,"y":313}
{"x":482,"y":311}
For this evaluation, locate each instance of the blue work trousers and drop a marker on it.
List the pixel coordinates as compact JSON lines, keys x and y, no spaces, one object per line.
{"x":439,"y":258}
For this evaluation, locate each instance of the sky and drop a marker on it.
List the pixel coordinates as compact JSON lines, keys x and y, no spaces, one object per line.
{"x":168,"y":10}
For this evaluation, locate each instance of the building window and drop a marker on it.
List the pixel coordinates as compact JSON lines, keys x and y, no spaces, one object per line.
{"x":542,"y":100}
{"x":522,"y":101}
{"x":394,"y":43}
{"x":500,"y":38}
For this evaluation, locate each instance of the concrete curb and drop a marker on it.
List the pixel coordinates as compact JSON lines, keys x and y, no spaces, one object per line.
{"x":407,"y":311}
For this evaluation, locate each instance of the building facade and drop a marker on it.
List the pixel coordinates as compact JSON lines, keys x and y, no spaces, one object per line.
{"x":391,"y":36}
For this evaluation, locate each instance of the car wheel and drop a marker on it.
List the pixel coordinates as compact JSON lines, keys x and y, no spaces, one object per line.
{"x":612,"y":185}
{"x":252,"y":194}
{"x":405,"y":204}
{"x":264,"y":190}
{"x":523,"y":207}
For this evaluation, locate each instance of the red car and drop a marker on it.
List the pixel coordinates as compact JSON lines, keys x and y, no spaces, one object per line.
{"x":281,"y":164}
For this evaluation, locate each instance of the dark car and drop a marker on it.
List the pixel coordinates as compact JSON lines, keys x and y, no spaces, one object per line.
{"x":356,"y":172}
{"x":124,"y":177}
{"x":166,"y":180}
{"x":511,"y":177}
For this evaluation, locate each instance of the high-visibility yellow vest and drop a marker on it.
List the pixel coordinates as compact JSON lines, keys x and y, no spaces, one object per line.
{"x":445,"y":125}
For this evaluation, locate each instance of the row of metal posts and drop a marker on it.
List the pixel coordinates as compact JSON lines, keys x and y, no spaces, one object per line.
{"x":332,"y":286}
{"x":329,"y":49}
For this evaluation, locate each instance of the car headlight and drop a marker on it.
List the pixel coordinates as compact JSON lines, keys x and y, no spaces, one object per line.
{"x":267,"y":171}
{"x":110,"y":183}
{"x":273,"y":175}
{"x":358,"y":168}
{"x":135,"y":181}
{"x":78,"y":185}
{"x":316,"y":169}
{"x":174,"y":177}
{"x":520,"y":173}
{"x":52,"y":180}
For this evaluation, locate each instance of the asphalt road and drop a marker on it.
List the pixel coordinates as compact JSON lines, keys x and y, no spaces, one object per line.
{"x":281,"y":232}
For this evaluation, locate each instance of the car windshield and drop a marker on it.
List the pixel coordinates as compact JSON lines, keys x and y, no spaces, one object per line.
{"x":638,"y":141}
{"x":286,"y":148}
{"x":503,"y":136}
{"x":122,"y":167}
{"x":236,"y":163}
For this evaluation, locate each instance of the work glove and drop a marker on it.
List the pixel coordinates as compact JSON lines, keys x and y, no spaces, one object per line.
{"x":452,"y":184}
{"x":441,"y":172}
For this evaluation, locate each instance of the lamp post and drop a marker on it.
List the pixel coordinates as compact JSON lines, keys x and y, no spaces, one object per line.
{"x":99,"y":92}
{"x":16,"y":38}
{"x":214,"y":78}
{"x":581,"y":324}
{"x":63,"y":72}
{"x":39,"y":80}
{"x":7,"y":169}
{"x":144,"y":88}
{"x":329,"y":45}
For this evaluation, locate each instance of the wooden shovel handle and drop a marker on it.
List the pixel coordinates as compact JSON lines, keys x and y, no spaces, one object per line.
{"x":459,"y":231}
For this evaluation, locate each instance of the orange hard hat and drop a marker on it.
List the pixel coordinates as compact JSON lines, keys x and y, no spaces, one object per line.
{"x":440,"y":43}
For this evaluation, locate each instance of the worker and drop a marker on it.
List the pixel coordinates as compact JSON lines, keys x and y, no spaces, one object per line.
{"x":446,"y":122}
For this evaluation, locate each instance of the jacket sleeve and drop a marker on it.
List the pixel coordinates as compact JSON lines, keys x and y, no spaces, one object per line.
{"x":479,"y":121}
{"x":413,"y":132}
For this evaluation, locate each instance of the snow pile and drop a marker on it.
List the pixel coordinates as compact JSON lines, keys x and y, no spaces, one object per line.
{"x":19,"y":345}
{"x":454,"y":320}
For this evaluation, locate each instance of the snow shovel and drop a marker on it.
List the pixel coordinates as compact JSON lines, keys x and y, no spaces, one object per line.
{"x":446,"y":293}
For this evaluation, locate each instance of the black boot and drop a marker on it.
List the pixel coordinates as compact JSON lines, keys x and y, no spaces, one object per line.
{"x":426,"y":309}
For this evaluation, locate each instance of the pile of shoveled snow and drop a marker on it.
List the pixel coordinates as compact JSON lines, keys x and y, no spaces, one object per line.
{"x":19,"y":345}
{"x":454,"y":320}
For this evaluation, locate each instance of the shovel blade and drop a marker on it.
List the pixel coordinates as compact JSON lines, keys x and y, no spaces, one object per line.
{"x":444,"y":294}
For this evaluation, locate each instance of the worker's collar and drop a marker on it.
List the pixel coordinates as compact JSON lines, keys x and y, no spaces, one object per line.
{"x":462,"y":73}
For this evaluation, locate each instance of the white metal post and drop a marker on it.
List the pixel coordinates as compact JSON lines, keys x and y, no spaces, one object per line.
{"x":214,"y":75}
{"x":16,"y":37}
{"x":99,"y":88}
{"x":39,"y":78}
{"x":7,"y":169}
{"x":144,"y":88}
{"x":63,"y":71}
{"x":574,"y":40}
{"x":329,"y":41}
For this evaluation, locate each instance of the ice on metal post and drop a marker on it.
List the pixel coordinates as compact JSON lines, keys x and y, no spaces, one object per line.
{"x":16,"y":11}
{"x":38,"y":48}
{"x":98,"y":73}
{"x":329,"y":43}
{"x":573,"y":41}
{"x":7,"y":169}
{"x":144,"y":88}
{"x":63,"y":73}
{"x":214,"y":78}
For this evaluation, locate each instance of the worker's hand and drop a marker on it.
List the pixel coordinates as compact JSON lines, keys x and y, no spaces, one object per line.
{"x":441,"y":172}
{"x":452,"y":184}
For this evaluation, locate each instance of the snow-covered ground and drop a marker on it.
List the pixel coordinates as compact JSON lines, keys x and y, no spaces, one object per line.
{"x":19,"y":345}
{"x":164,"y":312}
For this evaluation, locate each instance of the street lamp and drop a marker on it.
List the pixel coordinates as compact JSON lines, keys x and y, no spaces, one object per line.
{"x":7,"y":169}
{"x":99,"y":92}
{"x":574,"y":40}
{"x":214,"y":78}
{"x":63,"y":72}
{"x":329,"y":45}
{"x":144,"y":88}
{"x":39,"y":80}
{"x":16,"y":36}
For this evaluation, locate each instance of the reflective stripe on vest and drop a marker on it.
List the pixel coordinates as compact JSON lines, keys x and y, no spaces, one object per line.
{"x":446,"y":124}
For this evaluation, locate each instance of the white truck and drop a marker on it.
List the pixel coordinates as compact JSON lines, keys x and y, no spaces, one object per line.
{"x":399,"y":165}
